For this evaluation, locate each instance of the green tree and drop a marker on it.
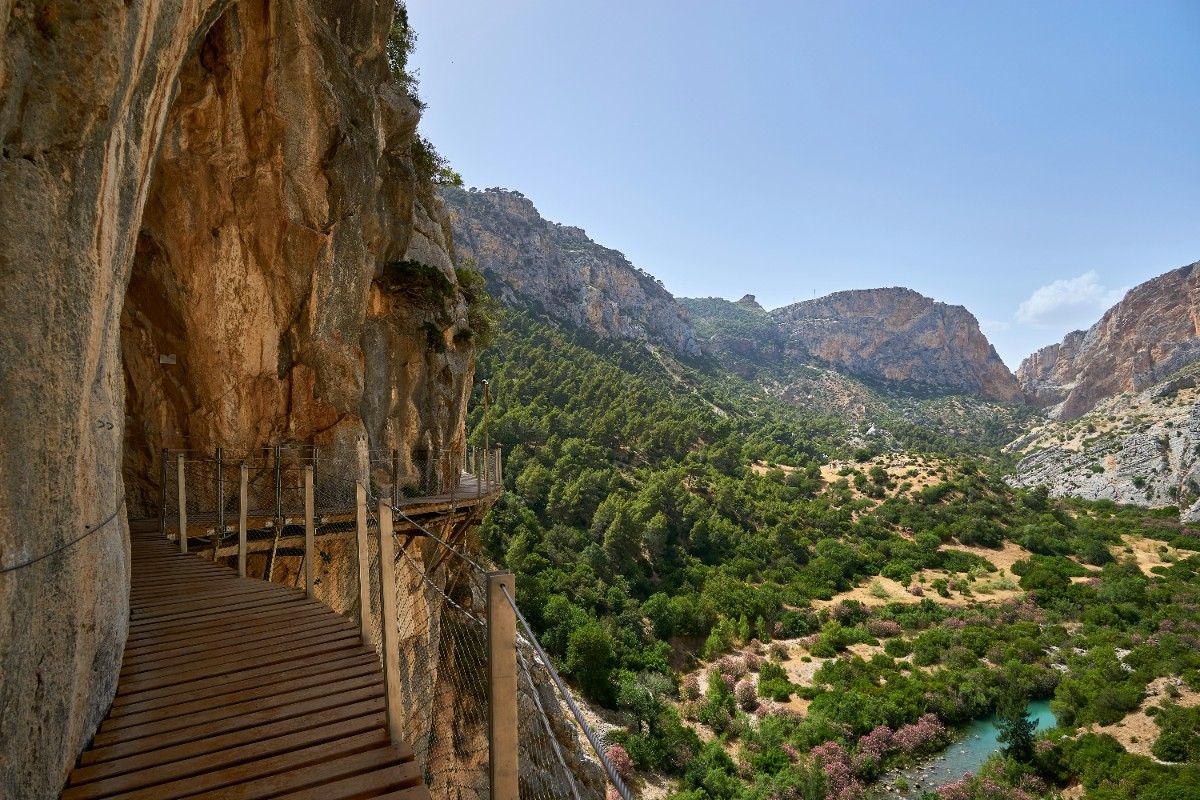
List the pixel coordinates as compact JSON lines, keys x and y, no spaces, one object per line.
{"x":1016,"y":727}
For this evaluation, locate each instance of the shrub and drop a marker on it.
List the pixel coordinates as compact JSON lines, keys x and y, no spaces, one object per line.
{"x":745,"y":693}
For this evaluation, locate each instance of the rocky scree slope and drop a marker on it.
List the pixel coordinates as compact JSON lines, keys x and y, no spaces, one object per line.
{"x":557,"y":270}
{"x":1137,"y":448}
{"x":1152,"y":333}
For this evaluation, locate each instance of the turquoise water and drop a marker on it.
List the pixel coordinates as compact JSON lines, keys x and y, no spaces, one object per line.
{"x":967,"y":754}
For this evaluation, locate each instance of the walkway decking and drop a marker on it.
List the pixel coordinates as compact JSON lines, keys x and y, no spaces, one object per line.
{"x":237,"y":688}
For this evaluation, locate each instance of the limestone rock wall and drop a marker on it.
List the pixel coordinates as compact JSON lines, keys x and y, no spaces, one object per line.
{"x":244,"y":170}
{"x":1153,"y":332}
{"x":898,"y":335}
{"x":1137,"y":448}
{"x":557,"y":270}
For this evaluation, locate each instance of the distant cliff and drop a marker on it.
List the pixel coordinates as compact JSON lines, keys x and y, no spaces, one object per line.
{"x":1152,"y":333}
{"x":556,"y":269}
{"x":898,"y":335}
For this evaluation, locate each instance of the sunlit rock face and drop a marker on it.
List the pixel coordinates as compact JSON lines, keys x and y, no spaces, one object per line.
{"x":557,"y":270}
{"x":201,"y":201}
{"x":898,"y":335}
{"x":1152,"y":333}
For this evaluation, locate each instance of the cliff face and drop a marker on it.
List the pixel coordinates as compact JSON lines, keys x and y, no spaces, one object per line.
{"x":1137,"y":448}
{"x":212,"y":234}
{"x":898,"y":335}
{"x":1153,"y":332}
{"x":557,"y":269}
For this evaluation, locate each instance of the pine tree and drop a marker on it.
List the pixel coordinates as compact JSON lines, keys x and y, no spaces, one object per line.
{"x":1016,"y":727}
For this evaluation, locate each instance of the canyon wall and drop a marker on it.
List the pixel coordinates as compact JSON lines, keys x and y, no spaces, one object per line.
{"x":1153,"y":332}
{"x":557,"y":270}
{"x":898,"y":335}
{"x":214,"y":233}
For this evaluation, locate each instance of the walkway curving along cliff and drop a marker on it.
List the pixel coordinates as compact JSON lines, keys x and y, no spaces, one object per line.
{"x":239,"y":688}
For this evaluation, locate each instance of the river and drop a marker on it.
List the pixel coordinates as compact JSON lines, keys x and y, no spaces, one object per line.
{"x":976,"y":742}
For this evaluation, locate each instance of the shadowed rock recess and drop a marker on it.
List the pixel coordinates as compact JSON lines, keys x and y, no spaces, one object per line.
{"x":210,"y":221}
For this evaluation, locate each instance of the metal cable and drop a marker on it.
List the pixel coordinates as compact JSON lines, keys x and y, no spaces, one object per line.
{"x":537,"y":700}
{"x":566,"y":695}
{"x":88,"y":531}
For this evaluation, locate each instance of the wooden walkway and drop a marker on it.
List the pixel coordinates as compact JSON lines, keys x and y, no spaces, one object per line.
{"x":237,"y":688}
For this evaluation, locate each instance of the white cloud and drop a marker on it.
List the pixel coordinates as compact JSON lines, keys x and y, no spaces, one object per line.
{"x":1073,"y":302}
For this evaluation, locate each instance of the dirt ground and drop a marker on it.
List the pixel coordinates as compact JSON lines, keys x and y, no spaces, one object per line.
{"x":1137,"y":732}
{"x":1145,"y":551}
{"x":1003,"y":559}
{"x":897,"y":466}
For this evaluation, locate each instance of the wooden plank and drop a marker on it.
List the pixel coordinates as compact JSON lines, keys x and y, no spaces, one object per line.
{"x":262,"y":618}
{"x":130,"y":729}
{"x":257,"y":694}
{"x":231,"y":663}
{"x":285,"y":626}
{"x":111,"y":761}
{"x":383,"y":778}
{"x":266,"y":671}
{"x":348,"y":776}
{"x":123,"y":776}
{"x":199,"y":732}
{"x":308,"y":671}
{"x":298,"y":762}
{"x":285,"y":700}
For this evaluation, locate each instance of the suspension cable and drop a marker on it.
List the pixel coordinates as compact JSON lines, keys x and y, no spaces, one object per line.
{"x":566,"y":695}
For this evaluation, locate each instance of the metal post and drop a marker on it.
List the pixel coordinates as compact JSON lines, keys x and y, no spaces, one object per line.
{"x":219,"y":530}
{"x":182,"y":506}
{"x":395,"y":477}
{"x":387,"y":605}
{"x":502,"y":685}
{"x":243,"y":504}
{"x":364,"y":562}
{"x":309,"y":532}
{"x":162,"y":516}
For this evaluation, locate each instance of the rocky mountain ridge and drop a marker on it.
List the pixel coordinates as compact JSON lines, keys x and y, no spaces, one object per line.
{"x":897,"y":334}
{"x":894,"y":335}
{"x":1151,"y":333}
{"x":534,"y":263}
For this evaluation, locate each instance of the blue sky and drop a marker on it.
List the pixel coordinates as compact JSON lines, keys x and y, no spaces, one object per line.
{"x":1029,"y":161}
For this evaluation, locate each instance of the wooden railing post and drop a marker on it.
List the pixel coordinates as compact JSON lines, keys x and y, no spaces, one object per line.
{"x":502,"y":685}
{"x":391,"y":633}
{"x":182,"y":506}
{"x":162,"y":515}
{"x":364,"y":461}
{"x":309,"y":532}
{"x":395,"y":477}
{"x":243,"y":495}
{"x":219,"y":527}
{"x":499,"y":468}
{"x":364,"y":563}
